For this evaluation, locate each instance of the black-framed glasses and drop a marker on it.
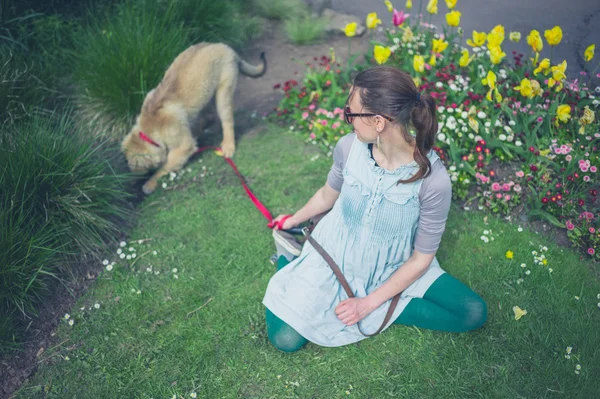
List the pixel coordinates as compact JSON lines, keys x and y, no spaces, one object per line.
{"x":349,"y":116}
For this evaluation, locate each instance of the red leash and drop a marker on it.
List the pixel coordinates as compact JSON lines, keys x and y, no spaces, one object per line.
{"x":259,"y":205}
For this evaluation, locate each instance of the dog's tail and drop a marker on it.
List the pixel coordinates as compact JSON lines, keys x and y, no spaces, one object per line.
{"x":254,"y":71}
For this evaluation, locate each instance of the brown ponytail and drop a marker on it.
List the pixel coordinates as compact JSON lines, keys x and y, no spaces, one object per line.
{"x":390,"y":91}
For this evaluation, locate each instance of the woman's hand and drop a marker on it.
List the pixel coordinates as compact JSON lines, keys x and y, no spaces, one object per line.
{"x":353,"y":310}
{"x":287,"y":224}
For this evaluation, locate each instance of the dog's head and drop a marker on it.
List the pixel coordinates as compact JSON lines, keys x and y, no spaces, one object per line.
{"x":141,"y":155}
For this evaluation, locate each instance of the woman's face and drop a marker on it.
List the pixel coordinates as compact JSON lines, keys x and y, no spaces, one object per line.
{"x":363,"y":127}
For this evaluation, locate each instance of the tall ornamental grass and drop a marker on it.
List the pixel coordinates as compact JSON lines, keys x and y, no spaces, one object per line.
{"x":61,"y":202}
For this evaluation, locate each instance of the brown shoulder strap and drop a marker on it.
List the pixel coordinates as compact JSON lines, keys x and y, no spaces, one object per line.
{"x":344,"y":283}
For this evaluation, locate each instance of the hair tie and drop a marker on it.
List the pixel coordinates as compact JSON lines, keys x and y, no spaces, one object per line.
{"x":418,"y":100}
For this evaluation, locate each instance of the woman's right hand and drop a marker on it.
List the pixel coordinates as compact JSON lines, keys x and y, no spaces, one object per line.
{"x":287,"y":224}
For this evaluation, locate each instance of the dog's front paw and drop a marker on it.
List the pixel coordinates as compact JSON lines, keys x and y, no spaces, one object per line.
{"x":149,"y":187}
{"x":228,"y":149}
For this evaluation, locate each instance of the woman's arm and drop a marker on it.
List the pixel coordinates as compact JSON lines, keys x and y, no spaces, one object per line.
{"x":320,"y":202}
{"x":352,"y":310}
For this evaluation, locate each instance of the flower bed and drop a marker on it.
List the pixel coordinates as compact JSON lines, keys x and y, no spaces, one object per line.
{"x":514,"y":131}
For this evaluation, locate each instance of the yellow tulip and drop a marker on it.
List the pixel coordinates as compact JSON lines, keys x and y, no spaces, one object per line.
{"x":372,"y":20}
{"x":465,"y":60}
{"x":519,"y":312}
{"x":498,"y":29}
{"x":544,"y":67}
{"x":473,"y":124}
{"x":525,"y":88}
{"x":439,"y":45}
{"x":432,"y":60}
{"x":553,"y":36}
{"x":535,"y":41}
{"x":515,"y":37}
{"x":587,"y":118}
{"x":432,"y":7}
{"x":451,"y":3}
{"x":350,"y":29}
{"x":453,"y":18}
{"x":389,"y":5}
{"x":558,"y":75}
{"x":381,"y":54}
{"x":490,"y":81}
{"x":419,"y":63}
{"x":478,"y":39}
{"x":494,"y":39}
{"x":563,"y":113}
{"x":589,"y":52}
{"x":417,"y":81}
{"x":408,"y":4}
{"x":496,"y":55}
{"x":408,"y":35}
{"x":537,"y":89}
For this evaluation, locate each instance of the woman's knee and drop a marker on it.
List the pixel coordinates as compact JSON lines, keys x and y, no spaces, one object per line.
{"x":282,"y":336}
{"x":476,"y":313}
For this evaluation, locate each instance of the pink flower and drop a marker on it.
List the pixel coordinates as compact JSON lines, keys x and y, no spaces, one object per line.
{"x":593,"y":169}
{"x":495,"y":187}
{"x":498,"y":195}
{"x":338,"y":110}
{"x":313,"y":136}
{"x":592,"y":230}
{"x":517,"y":188}
{"x":324,"y":122}
{"x":569,"y":225}
{"x":304,"y":115}
{"x":335,"y":125}
{"x":569,"y":158}
{"x":520,"y":173}
{"x":311,"y":107}
{"x":591,"y":251}
{"x":507,"y":197}
{"x":506,"y":187}
{"x":586,"y":178}
{"x":399,"y":17}
{"x":540,"y":119}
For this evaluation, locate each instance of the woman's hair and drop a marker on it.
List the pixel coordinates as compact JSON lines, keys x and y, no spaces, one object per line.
{"x":392,"y":92}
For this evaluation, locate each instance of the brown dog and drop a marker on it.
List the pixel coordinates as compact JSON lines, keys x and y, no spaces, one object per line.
{"x":161,"y":137}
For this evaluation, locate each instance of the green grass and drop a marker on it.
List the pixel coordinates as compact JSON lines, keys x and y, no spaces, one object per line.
{"x":305,"y":29}
{"x":281,"y":9}
{"x":156,"y":335}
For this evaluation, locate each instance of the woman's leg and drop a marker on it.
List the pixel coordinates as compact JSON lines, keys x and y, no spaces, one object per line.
{"x":281,"y":335}
{"x":448,"y":305}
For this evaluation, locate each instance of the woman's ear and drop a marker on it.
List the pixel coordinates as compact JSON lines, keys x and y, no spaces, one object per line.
{"x":379,"y":123}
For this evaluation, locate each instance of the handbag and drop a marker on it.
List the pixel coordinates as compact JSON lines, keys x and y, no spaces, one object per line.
{"x":340,"y":276}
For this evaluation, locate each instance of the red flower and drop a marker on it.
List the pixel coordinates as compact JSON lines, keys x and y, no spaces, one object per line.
{"x":478,"y":148}
{"x":533,"y":168}
{"x":544,"y":200}
{"x":277,"y":86}
{"x":591,"y":251}
{"x":531,"y":149}
{"x":581,"y":202}
{"x":594,"y":192}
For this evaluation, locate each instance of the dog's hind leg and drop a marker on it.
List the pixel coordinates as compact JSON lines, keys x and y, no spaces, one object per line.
{"x":176,"y":158}
{"x":224,"y":99}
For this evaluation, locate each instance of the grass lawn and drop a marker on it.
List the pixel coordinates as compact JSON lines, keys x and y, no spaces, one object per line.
{"x":189,"y":318}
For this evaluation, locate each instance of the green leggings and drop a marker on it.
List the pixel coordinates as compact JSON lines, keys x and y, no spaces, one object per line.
{"x":448,"y":305}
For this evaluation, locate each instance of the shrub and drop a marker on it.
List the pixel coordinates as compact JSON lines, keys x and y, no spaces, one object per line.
{"x":305,"y":29}
{"x":281,"y":9}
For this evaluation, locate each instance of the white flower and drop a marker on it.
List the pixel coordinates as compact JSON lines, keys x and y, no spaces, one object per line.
{"x":466,"y":181}
{"x":175,"y":276}
{"x":507,"y":129}
{"x":149,"y":270}
{"x":138,"y":292}
{"x":128,"y":257}
{"x":519,"y":281}
{"x":518,"y":143}
{"x":122,"y":244}
{"x":523,"y":265}
{"x":119,"y":251}
{"x":71,"y":322}
{"x":578,"y":367}
{"x":105,"y":262}
{"x":550,"y":270}
{"x":528,"y":272}
{"x":464,"y":115}
{"x":174,"y":270}
{"x":97,"y":305}
{"x":576,"y":298}
{"x":193,"y":394}
{"x":154,"y":253}
{"x":519,"y":229}
{"x":487,"y":124}
{"x":441,"y":137}
{"x":156,"y":272}
{"x":453,"y":87}
{"x":133,"y":255}
{"x":569,"y":349}
{"x":441,"y":109}
{"x":544,"y":248}
{"x":502,"y":137}
{"x":485,"y":239}
{"x":122,"y":256}
{"x":164,"y":185}
{"x":109,"y":267}
{"x":67,"y":316}
{"x":439,"y":85}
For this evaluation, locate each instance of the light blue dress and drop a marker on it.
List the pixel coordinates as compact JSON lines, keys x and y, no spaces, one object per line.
{"x":369,"y":233}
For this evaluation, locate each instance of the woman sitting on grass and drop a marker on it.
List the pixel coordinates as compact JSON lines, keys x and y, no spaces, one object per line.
{"x":388,"y":204}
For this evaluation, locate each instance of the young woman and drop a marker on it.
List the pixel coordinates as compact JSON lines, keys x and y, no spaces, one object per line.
{"x":388,"y":196}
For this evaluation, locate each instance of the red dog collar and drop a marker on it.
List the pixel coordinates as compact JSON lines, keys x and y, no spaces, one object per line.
{"x":148,"y":139}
